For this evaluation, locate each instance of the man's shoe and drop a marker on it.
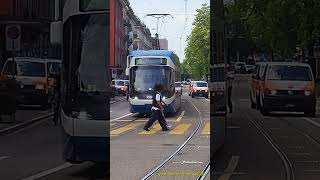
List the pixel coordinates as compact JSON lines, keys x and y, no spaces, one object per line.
{"x":146,"y":129}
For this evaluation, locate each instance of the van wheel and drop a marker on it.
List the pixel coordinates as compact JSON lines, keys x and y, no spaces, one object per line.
{"x":311,"y":113}
{"x":253,"y":105}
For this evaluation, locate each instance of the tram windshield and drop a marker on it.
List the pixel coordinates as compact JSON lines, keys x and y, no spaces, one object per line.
{"x":86,"y":66}
{"x":144,"y":78}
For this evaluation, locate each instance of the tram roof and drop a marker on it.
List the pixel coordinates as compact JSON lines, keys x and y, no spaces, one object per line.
{"x":152,"y":53}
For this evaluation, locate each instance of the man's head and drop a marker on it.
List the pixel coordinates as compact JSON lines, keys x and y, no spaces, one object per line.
{"x":158,"y":87}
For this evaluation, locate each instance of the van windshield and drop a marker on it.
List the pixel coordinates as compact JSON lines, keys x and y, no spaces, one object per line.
{"x":289,"y":72}
{"x":119,"y":83}
{"x":200,"y":84}
{"x":29,"y":68}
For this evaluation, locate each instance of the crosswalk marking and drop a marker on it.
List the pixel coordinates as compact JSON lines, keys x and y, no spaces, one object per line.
{"x":153,"y":130}
{"x":124,"y":129}
{"x":206,"y":129}
{"x":180,"y":129}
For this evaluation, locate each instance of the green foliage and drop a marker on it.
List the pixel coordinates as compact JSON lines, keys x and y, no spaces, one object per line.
{"x":276,"y":25}
{"x":198,"y":48}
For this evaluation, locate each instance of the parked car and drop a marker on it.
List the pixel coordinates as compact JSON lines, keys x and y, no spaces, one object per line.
{"x":179,"y":86}
{"x":33,"y":75}
{"x":238,"y":66}
{"x":119,"y":86}
{"x":218,"y":95}
{"x":249,"y":68}
{"x":288,"y":86}
{"x":198,"y":88}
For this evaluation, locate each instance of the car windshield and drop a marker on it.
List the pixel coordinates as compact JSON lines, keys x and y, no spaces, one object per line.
{"x":29,"y":68}
{"x":289,"y":72}
{"x":200,"y":84}
{"x":119,"y":83}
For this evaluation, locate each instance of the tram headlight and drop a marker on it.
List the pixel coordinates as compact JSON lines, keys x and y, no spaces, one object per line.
{"x":135,"y":97}
{"x":164,"y":97}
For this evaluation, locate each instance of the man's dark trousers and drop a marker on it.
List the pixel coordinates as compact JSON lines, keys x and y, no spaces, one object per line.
{"x":156,"y":115}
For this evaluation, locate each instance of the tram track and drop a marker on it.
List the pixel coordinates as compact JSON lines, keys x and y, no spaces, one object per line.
{"x":162,"y":164}
{"x":290,"y":175}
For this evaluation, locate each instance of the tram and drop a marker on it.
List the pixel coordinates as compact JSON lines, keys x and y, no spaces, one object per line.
{"x":83,"y":32}
{"x":148,"y":68}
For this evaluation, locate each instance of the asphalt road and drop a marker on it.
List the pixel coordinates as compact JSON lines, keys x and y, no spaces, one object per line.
{"x":134,"y":153}
{"x":260,"y":147}
{"x":35,"y":152}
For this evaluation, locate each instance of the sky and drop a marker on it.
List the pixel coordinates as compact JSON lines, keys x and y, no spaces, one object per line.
{"x":180,"y":26}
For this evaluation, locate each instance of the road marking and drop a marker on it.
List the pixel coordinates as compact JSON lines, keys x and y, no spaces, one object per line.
{"x":124,"y":129}
{"x":308,"y":162}
{"x":155,"y":129}
{"x":180,"y":117}
{"x":296,"y":147}
{"x":188,"y":162}
{"x":180,"y":129}
{"x":314,"y":170}
{"x":233,"y":127}
{"x":141,"y":120}
{"x":3,"y":157}
{"x":233,"y":163}
{"x":206,"y":129}
{"x":47,"y":172}
{"x":311,"y":121}
{"x":207,"y":100}
{"x":301,"y":154}
{"x":121,"y":117}
{"x":203,"y":147}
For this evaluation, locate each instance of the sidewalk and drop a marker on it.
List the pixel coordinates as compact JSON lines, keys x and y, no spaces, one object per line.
{"x":23,"y":117}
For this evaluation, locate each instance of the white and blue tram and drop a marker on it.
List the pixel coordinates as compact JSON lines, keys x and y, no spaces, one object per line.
{"x":148,"y":68}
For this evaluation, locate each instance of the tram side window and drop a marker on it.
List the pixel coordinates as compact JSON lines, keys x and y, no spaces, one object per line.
{"x":86,"y":77}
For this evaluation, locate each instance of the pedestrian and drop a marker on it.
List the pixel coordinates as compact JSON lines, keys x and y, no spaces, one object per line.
{"x":157,"y":109}
{"x":229,"y":85}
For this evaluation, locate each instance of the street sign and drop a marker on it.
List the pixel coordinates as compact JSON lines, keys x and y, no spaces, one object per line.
{"x":13,"y":38}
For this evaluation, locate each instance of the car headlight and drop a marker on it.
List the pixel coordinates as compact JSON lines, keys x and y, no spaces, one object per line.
{"x":307,"y":93}
{"x":273,"y":92}
{"x":39,"y":86}
{"x":163,"y":97}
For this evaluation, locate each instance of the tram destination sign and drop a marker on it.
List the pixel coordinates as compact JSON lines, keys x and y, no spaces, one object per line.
{"x":150,"y":61}
{"x":94,"y":5}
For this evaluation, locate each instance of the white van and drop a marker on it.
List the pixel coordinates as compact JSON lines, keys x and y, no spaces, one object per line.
{"x":288,"y":86}
{"x":33,"y":77}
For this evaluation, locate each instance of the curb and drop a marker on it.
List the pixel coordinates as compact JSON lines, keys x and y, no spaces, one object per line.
{"x":22,"y":125}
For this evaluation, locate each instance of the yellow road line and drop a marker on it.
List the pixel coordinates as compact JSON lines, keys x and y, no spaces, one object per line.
{"x":206,"y":129}
{"x":180,"y":129}
{"x":124,"y":129}
{"x":231,"y":167}
{"x":153,"y":130}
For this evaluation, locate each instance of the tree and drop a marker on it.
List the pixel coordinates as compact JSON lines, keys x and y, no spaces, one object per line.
{"x":197,"y":52}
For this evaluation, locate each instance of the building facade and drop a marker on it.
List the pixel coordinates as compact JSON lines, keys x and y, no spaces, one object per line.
{"x":163,"y":44}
